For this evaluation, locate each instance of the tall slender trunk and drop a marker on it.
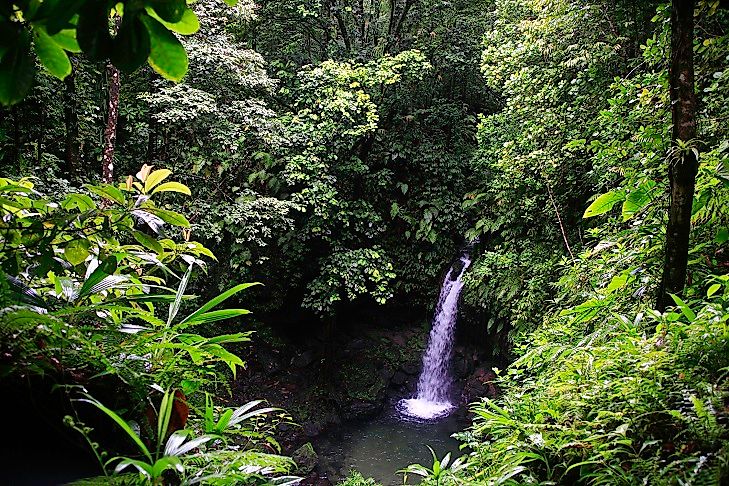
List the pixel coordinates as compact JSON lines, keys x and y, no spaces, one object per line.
{"x":70,"y":118}
{"x":16,"y":138}
{"x":112,"y":115}
{"x":683,"y":162}
{"x":39,"y":140}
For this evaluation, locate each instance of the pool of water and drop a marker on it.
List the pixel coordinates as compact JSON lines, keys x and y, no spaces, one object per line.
{"x":380,"y":447}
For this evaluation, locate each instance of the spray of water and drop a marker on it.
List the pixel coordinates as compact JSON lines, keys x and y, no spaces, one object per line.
{"x":432,"y":399}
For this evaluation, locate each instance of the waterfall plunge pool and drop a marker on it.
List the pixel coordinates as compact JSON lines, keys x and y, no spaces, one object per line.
{"x":380,"y":447}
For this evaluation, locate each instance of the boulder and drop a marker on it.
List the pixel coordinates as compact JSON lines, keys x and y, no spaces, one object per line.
{"x":480,"y":384}
{"x":399,"y":378}
{"x":303,"y":360}
{"x":411,"y":368}
{"x":305,"y":458}
{"x":361,"y":409}
{"x":312,"y":428}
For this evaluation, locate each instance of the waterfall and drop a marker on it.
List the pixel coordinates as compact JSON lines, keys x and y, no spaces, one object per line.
{"x":432,"y":399}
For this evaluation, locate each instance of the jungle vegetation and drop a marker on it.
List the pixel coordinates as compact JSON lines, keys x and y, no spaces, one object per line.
{"x":341,"y":153}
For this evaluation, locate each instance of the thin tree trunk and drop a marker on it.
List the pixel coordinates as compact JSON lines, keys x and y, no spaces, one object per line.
{"x":559,"y":220}
{"x":39,"y":140}
{"x":70,"y":117}
{"x":16,"y":138}
{"x":112,"y":115}
{"x":107,"y":157}
{"x":683,"y":162}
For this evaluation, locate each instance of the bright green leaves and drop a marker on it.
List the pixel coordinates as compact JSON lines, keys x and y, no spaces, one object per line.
{"x":604,"y":203}
{"x":167,"y":56}
{"x":187,"y":25}
{"x":129,"y":34}
{"x":16,"y":67}
{"x":155,"y":178}
{"x":169,"y":10}
{"x":633,"y":202}
{"x":77,"y":251}
{"x":638,"y":199}
{"x":172,"y":187}
{"x":51,"y":54}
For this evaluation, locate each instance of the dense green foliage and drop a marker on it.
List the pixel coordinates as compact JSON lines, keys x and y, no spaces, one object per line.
{"x":605,"y":390}
{"x":341,"y":153}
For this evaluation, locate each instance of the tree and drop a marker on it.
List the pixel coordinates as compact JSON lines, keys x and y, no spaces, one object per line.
{"x":683,"y":156}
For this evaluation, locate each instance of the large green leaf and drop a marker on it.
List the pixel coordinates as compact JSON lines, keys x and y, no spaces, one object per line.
{"x":121,"y":423}
{"x":51,"y":55}
{"x":148,"y":242}
{"x":604,"y":203}
{"x":172,"y":187}
{"x":76,"y":251}
{"x":107,"y":191}
{"x":105,"y":269}
{"x":67,"y":40}
{"x":214,"y":316}
{"x":169,"y":10}
{"x":187,"y":25}
{"x":638,"y":199}
{"x":156,"y":177}
{"x":167,"y":56}
{"x":171,"y":217}
{"x":218,"y":300}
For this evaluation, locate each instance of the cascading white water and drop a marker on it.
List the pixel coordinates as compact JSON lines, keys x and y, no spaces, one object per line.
{"x":432,"y":398}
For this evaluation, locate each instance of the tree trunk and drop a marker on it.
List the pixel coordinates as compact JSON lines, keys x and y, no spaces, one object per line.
{"x":16,"y":139}
{"x":70,"y":117}
{"x":112,"y":115}
{"x":683,"y":162}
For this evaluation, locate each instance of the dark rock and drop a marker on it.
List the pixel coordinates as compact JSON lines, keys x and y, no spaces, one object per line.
{"x":303,"y":360}
{"x":480,"y":384}
{"x":461,"y":367}
{"x":305,"y":458}
{"x":361,"y":409}
{"x":387,"y":373}
{"x":357,"y":344}
{"x":411,"y":368}
{"x":312,"y":429}
{"x":399,"y":378}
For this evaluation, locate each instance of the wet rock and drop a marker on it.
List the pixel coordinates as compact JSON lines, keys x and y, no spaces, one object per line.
{"x":480,"y":384}
{"x":361,"y":409}
{"x":312,"y":429}
{"x":303,"y":359}
{"x":411,"y":368}
{"x":461,"y":367}
{"x":305,"y":458}
{"x":399,"y":378}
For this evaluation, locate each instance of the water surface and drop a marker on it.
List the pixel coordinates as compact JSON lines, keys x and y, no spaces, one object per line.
{"x":380,"y":447}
